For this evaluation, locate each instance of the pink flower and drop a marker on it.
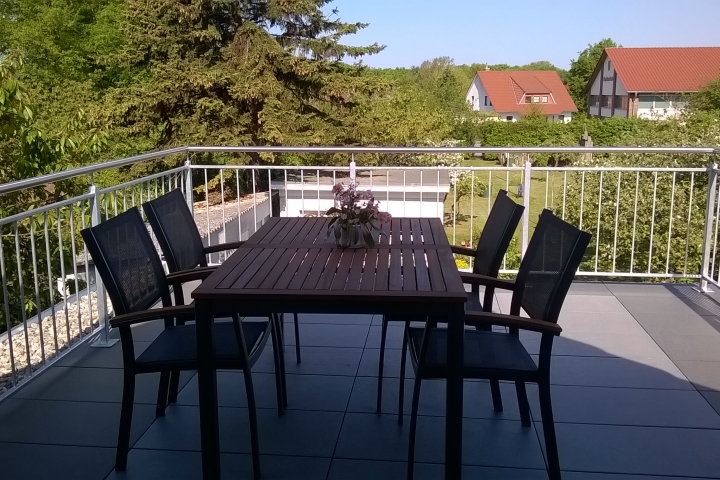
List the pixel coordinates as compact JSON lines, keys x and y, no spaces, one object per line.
{"x":338,"y":188}
{"x":384,"y":217}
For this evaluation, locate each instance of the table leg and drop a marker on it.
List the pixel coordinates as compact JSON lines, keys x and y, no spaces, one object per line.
{"x":454,"y":396}
{"x":207,"y":387}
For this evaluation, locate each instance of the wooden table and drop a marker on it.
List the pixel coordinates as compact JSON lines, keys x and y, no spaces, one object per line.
{"x":290,"y":265}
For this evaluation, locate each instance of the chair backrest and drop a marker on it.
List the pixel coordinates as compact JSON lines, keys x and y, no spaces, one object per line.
{"x":126,"y":259}
{"x":495,"y":238}
{"x":548,"y":268}
{"x":176,"y":231}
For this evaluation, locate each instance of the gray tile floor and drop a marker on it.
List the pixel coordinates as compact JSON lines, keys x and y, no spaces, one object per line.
{"x":636,"y":379}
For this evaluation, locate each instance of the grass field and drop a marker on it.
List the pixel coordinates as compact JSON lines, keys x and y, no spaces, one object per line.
{"x":546,"y":190}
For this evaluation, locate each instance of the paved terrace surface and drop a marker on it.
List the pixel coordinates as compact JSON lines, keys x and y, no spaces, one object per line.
{"x":636,"y":379}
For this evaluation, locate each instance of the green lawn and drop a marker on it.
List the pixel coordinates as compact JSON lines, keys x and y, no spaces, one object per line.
{"x":474,"y":211}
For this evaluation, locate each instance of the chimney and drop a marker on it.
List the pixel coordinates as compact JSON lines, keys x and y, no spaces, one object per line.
{"x":487,"y":68}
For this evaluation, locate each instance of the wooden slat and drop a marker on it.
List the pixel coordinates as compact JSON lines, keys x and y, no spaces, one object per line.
{"x":341,"y":276}
{"x":406,"y":231}
{"x":417,"y":235}
{"x":301,"y":270}
{"x":226,"y":267}
{"x":289,"y":229}
{"x":421,"y":270}
{"x":328,"y":272}
{"x":266,"y":232}
{"x":427,"y":232}
{"x":368,"y":274}
{"x":382,"y":273}
{"x":242,"y":258}
{"x":453,"y":282}
{"x":252,"y":269}
{"x":266,"y":268}
{"x":313,"y":276}
{"x":356,"y":270}
{"x":395,"y":280}
{"x":384,"y":240}
{"x":318,"y":233}
{"x":281,"y":266}
{"x":408,"y":270}
{"x":299,"y":237}
{"x":437,"y":283}
{"x":395,"y":231}
{"x":438,"y":232}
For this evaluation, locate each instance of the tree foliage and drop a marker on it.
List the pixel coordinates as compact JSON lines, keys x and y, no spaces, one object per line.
{"x":582,"y":68}
{"x":707,"y":99}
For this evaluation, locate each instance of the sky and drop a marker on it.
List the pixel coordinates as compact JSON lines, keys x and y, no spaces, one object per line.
{"x":517,"y":32}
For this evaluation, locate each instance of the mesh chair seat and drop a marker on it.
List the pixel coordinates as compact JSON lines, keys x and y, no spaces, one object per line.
{"x":176,"y":347}
{"x":487,"y":355}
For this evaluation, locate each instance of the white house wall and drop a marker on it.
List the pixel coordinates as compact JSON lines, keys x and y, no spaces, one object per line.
{"x":476,"y":96}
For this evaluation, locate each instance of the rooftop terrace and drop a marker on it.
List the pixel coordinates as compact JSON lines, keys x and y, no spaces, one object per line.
{"x":636,"y":395}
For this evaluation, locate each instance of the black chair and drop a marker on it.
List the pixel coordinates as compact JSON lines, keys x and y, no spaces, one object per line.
{"x":546,"y":272}
{"x":180,"y":241}
{"x":494,"y":240}
{"x":127,"y":262}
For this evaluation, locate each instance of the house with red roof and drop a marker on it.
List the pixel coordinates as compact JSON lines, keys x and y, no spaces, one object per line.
{"x":649,"y":82}
{"x":511,"y":94}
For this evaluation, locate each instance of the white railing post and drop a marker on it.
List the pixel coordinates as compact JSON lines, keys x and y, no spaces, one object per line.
{"x":526,"y":203}
{"x":188,"y":184}
{"x":707,"y":231}
{"x":103,"y":341}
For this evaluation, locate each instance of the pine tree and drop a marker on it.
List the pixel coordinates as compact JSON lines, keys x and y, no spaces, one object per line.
{"x":262,"y":72}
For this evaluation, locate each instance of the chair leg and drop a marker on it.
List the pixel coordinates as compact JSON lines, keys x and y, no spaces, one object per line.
{"x":281,"y":353}
{"x":403,"y":358}
{"x":523,"y":404}
{"x":546,"y":413}
{"x":162,"y":398}
{"x":252,"y":414}
{"x":383,"y":336}
{"x":125,"y":421}
{"x":174,"y":386}
{"x":413,"y":427}
{"x":277,"y":348}
{"x":496,"y":397}
{"x":297,"y":338}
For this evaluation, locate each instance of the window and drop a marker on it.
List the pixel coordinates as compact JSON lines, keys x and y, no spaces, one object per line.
{"x":647,"y":101}
{"x":605,"y":101}
{"x":473,"y":100}
{"x":544,"y":99}
{"x":509,"y":118}
{"x":561,"y":118}
{"x":536,"y":99}
{"x":662,"y":102}
{"x":594,"y":100}
{"x":621,"y":101}
{"x":609,"y":65}
{"x":528,"y":99}
{"x":486,"y":101}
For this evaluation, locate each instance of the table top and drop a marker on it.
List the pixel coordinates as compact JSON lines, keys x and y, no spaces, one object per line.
{"x":295,"y":258}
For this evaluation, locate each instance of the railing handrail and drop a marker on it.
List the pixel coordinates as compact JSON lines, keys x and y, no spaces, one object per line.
{"x":98,"y":167}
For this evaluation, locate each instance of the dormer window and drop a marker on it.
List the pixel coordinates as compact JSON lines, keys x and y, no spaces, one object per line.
{"x":528,"y":99}
{"x":536,"y":99}
{"x":544,"y":99}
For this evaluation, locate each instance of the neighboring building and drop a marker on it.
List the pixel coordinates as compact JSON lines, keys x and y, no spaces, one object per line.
{"x":511,"y":93}
{"x":402,"y":193}
{"x":649,"y":82}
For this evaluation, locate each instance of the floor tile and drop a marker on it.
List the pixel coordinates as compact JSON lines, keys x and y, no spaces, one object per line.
{"x":638,"y":450}
{"x":327,"y":335}
{"x":68,"y":423}
{"x":98,"y":357}
{"x":393,"y":340}
{"x":616,"y":372}
{"x":92,"y":385}
{"x":51,"y":462}
{"x":300,"y":433}
{"x":332,"y":319}
{"x":592,"y":303}
{"x":677,"y":324}
{"x":163,"y":464}
{"x":617,"y":476}
{"x":599,"y":322}
{"x":369,"y":364}
{"x":713,"y":399}
{"x":628,"y":406}
{"x":589,"y":288}
{"x":315,"y":361}
{"x":342,"y":469}
{"x":620,"y":289}
{"x":305,"y":392}
{"x":704,"y":348}
{"x":703,"y":375}
{"x":477,"y":398}
{"x":664,"y":305}
{"x":590,"y":344}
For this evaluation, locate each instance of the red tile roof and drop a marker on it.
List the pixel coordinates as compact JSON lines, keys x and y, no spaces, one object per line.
{"x":507,"y":87}
{"x":674,"y":69}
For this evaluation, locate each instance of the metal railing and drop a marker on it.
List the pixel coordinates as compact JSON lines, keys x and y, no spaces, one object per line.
{"x":647,"y":223}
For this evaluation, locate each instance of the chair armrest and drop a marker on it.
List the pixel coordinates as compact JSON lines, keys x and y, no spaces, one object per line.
{"x":128,"y":319}
{"x":223,"y":246}
{"x":477,"y":279}
{"x":503,"y":320}
{"x":470,"y":252}
{"x":200,"y":273}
